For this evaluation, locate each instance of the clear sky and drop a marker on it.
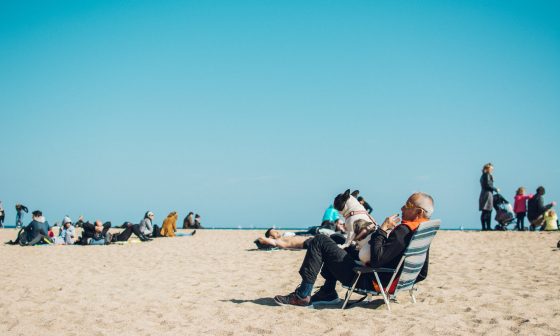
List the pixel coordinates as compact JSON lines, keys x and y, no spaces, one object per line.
{"x":257,"y":113}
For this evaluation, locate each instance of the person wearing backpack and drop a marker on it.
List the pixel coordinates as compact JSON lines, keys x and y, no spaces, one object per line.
{"x":36,"y":232}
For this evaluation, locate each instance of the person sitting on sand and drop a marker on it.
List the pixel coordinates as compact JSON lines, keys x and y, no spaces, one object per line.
{"x":67,"y":234}
{"x":146,"y":226}
{"x":188,"y":222}
{"x":38,"y":229}
{"x":330,"y":217}
{"x":169,"y":226}
{"x":335,"y":264}
{"x":197,"y":224}
{"x":536,"y":209}
{"x":550,"y":220}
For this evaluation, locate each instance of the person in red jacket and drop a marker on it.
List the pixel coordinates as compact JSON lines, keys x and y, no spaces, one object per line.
{"x":520,"y":207}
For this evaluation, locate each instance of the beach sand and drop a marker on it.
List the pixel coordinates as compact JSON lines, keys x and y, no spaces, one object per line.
{"x":491,"y":283}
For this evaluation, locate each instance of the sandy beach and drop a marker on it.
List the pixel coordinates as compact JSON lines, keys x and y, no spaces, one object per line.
{"x":491,"y":283}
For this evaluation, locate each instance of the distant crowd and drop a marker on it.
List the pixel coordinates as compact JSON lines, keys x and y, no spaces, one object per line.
{"x":39,"y":231}
{"x":541,"y":216}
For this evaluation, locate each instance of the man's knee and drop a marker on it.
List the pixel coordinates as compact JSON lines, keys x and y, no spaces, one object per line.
{"x":318,"y":240}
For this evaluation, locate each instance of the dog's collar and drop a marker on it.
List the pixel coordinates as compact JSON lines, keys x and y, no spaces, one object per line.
{"x":354,"y":213}
{"x":360,"y":212}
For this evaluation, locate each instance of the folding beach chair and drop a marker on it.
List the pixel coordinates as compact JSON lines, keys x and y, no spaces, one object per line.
{"x":412,"y":262}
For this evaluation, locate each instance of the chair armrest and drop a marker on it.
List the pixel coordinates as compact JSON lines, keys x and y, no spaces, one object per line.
{"x":365,"y":270}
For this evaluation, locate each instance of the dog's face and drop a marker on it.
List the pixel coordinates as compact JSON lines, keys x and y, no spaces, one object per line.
{"x":340,"y":200}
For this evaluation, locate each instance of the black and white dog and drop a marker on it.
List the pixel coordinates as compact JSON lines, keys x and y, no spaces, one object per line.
{"x":356,"y":218}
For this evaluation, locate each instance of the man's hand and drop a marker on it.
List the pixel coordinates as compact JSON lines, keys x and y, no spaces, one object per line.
{"x":390,"y":222}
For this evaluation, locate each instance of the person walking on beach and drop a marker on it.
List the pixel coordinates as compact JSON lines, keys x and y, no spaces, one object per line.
{"x":536,"y":209}
{"x":520,"y":207}
{"x":188,"y":222}
{"x":485,"y":201}
{"x":2,"y":215}
{"x":20,"y":209}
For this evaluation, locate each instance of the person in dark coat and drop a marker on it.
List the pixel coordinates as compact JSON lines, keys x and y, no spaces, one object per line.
{"x":188,"y":222}
{"x":485,"y":201}
{"x":536,"y":209}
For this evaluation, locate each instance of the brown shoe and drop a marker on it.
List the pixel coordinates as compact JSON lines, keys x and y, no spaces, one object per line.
{"x":292,"y":300}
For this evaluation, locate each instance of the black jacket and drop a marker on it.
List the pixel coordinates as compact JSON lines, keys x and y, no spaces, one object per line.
{"x":536,"y":207}
{"x":387,"y":251}
{"x":368,"y":207}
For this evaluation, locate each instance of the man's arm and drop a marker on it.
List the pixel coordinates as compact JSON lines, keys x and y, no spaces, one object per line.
{"x":267,"y":241}
{"x":385,"y":249}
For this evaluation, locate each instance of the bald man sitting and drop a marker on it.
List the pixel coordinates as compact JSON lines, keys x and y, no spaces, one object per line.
{"x":323,"y":255}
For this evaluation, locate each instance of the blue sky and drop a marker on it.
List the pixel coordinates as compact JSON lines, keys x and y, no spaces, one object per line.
{"x":257,"y":113}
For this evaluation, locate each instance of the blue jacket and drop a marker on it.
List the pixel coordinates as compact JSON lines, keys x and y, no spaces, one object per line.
{"x":331,"y":214}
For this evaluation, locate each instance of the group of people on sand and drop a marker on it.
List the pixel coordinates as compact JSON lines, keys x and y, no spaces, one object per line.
{"x":192,"y":221}
{"x":38,"y":231}
{"x":541,"y":216}
{"x":363,"y":241}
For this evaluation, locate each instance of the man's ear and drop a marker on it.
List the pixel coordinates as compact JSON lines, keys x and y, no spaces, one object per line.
{"x":347,"y":192}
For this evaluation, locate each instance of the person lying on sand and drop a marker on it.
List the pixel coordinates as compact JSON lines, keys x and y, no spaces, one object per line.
{"x":273,"y":238}
{"x":293,"y":240}
{"x":96,"y":233}
{"x":335,"y":264}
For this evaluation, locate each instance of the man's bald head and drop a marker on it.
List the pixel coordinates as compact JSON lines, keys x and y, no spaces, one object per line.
{"x":424,"y":202}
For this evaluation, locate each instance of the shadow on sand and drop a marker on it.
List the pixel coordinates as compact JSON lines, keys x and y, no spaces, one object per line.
{"x":261,"y":301}
{"x":375,"y":304}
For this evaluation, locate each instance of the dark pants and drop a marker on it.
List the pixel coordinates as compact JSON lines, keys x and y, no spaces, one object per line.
{"x":336,"y":263}
{"x":328,"y":225}
{"x":486,"y":220}
{"x":520,"y":221}
{"x":128,"y":231}
{"x":2,"y":220}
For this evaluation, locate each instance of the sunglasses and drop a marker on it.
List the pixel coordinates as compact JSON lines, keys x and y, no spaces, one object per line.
{"x":410,"y":205}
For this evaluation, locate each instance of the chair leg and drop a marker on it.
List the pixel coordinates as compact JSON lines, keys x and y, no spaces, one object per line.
{"x":382,"y":291}
{"x":412,"y":290}
{"x":351,"y":290}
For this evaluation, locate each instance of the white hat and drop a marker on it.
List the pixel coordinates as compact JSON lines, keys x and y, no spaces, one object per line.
{"x":66,"y":220}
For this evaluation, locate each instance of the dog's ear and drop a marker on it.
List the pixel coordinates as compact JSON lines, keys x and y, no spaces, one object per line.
{"x":340,"y":200}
